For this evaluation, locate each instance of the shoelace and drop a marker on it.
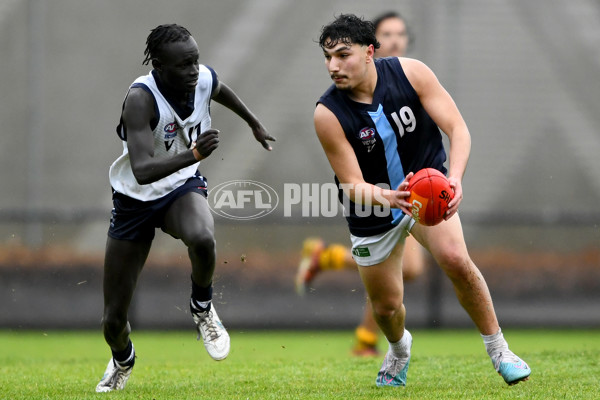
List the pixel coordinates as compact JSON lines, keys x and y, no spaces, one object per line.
{"x":395,"y":365}
{"x":117,"y":378}
{"x":210,"y":327}
{"x":505,"y":356}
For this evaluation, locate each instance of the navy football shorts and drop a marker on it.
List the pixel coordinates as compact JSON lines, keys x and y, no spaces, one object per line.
{"x":134,"y":219}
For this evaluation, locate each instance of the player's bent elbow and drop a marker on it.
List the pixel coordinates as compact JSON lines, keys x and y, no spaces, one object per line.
{"x":143,"y":181}
{"x":142,"y":177}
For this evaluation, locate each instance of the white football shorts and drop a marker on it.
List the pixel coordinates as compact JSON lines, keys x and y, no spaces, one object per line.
{"x":372,"y":250}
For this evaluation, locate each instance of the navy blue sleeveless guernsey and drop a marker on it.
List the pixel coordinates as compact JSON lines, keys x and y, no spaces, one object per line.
{"x":391,"y":137}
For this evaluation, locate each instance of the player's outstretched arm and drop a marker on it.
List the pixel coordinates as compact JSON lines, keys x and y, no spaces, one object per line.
{"x":137,"y":114}
{"x":226,"y":96}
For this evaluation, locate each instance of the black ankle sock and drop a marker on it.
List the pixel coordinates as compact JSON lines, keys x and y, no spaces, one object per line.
{"x":200,"y":295}
{"x":125,"y":358}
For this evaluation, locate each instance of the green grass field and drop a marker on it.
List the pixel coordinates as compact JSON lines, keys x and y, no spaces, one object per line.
{"x":296,"y":365}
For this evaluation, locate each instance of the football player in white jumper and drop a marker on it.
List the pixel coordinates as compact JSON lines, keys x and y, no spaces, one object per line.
{"x":166,"y":131}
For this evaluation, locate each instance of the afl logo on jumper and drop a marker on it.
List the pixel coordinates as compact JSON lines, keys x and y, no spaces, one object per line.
{"x":170,"y":134}
{"x":367,"y":136}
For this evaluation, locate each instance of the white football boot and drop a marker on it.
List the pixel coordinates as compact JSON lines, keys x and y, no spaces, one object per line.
{"x":115,"y":377}
{"x":212,"y":331}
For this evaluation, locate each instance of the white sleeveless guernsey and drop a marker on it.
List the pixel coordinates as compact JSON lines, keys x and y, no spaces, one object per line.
{"x":172,"y":135}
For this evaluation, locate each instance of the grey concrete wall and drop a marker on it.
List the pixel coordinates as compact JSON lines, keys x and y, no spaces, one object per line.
{"x":524,"y":74}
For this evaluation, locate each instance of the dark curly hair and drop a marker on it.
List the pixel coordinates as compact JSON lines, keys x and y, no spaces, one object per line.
{"x":161,"y":35}
{"x":348,"y":29}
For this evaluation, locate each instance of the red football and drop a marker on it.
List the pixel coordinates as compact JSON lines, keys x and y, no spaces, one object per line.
{"x":430,"y":194}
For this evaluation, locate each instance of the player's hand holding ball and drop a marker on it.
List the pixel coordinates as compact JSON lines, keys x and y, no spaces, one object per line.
{"x":430,"y":196}
{"x":456,"y":186}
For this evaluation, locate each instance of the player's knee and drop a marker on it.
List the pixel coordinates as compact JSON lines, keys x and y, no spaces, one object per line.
{"x":202,"y":241}
{"x":455,"y":262}
{"x":387,"y":308}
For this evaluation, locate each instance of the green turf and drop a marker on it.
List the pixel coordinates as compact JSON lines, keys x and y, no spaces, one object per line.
{"x":296,"y":365}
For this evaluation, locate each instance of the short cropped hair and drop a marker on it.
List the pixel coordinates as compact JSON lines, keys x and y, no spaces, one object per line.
{"x":161,"y":35}
{"x":348,"y":29}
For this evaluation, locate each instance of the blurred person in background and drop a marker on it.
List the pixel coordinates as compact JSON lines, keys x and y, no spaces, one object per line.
{"x":166,"y":131}
{"x":393,"y":36}
{"x":368,"y":146}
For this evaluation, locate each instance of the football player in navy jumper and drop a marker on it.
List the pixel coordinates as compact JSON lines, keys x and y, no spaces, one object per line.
{"x":379,"y":123}
{"x":392,"y":33}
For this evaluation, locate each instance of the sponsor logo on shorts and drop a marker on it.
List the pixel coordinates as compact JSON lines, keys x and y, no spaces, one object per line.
{"x":361,"y":252}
